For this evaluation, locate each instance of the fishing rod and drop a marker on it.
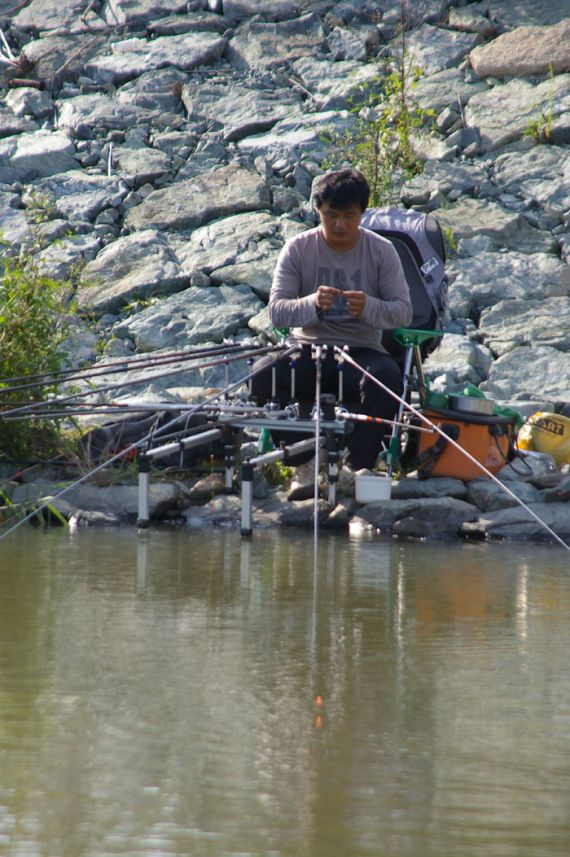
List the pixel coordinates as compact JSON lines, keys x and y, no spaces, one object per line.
{"x":108,"y":387}
{"x":346,"y":356}
{"x":139,"y":444}
{"x":123,"y":365}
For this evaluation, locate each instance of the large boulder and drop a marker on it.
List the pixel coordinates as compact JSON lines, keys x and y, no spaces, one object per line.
{"x":531,"y":322}
{"x":525,"y":52}
{"x":30,"y":156}
{"x":187,"y":204}
{"x":262,"y":46}
{"x":528,"y":373}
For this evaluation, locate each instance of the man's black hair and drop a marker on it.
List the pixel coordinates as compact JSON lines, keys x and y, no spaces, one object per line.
{"x":341,"y":189}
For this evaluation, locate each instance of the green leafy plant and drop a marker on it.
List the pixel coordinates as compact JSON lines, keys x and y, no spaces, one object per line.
{"x":33,"y":314}
{"x":380,"y":143}
{"x":539,"y":127}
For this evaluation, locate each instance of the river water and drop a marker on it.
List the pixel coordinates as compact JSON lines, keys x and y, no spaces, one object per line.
{"x":181,"y":693}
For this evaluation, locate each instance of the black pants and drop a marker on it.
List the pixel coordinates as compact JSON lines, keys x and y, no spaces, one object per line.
{"x":360,"y":395}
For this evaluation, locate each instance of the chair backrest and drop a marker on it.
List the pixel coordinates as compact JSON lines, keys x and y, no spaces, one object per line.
{"x":418,"y":240}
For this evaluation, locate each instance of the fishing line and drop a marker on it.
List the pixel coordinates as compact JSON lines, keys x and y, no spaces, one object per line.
{"x":454,"y":443}
{"x":105,"y":389}
{"x":137,"y":445}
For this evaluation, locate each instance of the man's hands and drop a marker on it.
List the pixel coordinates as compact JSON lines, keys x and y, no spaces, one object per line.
{"x":355,"y":301}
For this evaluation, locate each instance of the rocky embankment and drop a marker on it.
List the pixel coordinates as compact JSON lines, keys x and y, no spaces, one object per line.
{"x":162,"y":151}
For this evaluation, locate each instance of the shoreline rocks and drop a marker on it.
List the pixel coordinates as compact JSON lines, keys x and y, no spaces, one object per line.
{"x":167,"y":148}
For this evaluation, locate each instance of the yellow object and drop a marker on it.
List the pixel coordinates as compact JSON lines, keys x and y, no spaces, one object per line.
{"x":544,"y":432}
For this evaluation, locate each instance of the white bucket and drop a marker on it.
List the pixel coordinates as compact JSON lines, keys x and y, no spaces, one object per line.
{"x":369,"y":489}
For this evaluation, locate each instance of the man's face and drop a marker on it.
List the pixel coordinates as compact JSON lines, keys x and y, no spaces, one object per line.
{"x":341,"y":226}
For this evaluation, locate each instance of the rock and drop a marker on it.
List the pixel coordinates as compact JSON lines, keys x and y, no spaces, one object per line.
{"x":82,"y":518}
{"x":30,"y":156}
{"x":442,"y":178}
{"x":440,"y":518}
{"x":136,"y":13}
{"x":460,"y":360}
{"x":60,"y":58}
{"x":527,"y":12}
{"x":141,"y":165}
{"x":193,"y":22}
{"x":188,"y":204}
{"x":470,"y":218}
{"x":355,"y":45}
{"x":480,"y":281}
{"x":272,"y":10}
{"x":134,"y":266}
{"x":63,"y":259}
{"x":525,"y":52}
{"x":298,"y":137}
{"x":257,"y":275}
{"x":260,"y":46}
{"x":133,"y":57}
{"x":27,"y":101}
{"x":335,"y":85}
{"x":525,"y":372}
{"x":158,"y":91}
{"x":11,"y":124}
{"x":189,"y":318}
{"x":80,"y":196}
{"x":471,"y":21}
{"x":15,"y":227}
{"x":434,"y":49}
{"x":505,"y":112}
{"x":45,"y":15}
{"x":238,"y":110}
{"x":530,"y":322}
{"x":488,"y":496}
{"x":410,"y":488}
{"x":301,"y":513}
{"x":516,"y":524}
{"x":446,"y":88}
{"x":87,"y":115}
{"x":534,"y":467}
{"x":206,"y":488}
{"x":540,"y":175}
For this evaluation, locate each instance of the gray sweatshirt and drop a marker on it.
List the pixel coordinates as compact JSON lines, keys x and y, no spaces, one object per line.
{"x":373,"y":266}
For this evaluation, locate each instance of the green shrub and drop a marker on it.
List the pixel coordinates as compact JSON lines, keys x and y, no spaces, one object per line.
{"x":33,"y":311}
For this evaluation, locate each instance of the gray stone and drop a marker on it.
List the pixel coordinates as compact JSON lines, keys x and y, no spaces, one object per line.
{"x":262,"y":46}
{"x":527,"y":12}
{"x":298,"y":136}
{"x":80,"y":519}
{"x":193,"y":22}
{"x":516,"y":524}
{"x":471,"y":21}
{"x":80,"y":196}
{"x":355,"y":45}
{"x":86,"y":115}
{"x":535,"y":467}
{"x":447,"y":88}
{"x":13,"y":224}
{"x":27,"y":101}
{"x":133,"y":267}
{"x":61,"y":58}
{"x":335,"y":85}
{"x":525,"y":52}
{"x":64,"y":259}
{"x":410,"y":488}
{"x":488,"y":496}
{"x":257,"y":275}
{"x":272,"y":10}
{"x":45,"y":15}
{"x":439,"y":518}
{"x":532,"y":322}
{"x":223,"y":242}
{"x":460,"y":360}
{"x":442,"y":178}
{"x":238,"y":110}
{"x":470,"y":218}
{"x":302,"y":513}
{"x":540,"y":175}
{"x":120,"y":500}
{"x":526,"y":372}
{"x":481,"y":281}
{"x":191,"y":317}
{"x":11,"y":124}
{"x":159,"y":91}
{"x":504,"y":113}
{"x":26,"y":157}
{"x":227,"y":190}
{"x":434,"y":49}
{"x":141,"y":165}
{"x":136,"y":13}
{"x":133,"y":57}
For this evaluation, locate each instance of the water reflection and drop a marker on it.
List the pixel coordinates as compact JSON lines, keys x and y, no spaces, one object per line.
{"x":207,"y":695}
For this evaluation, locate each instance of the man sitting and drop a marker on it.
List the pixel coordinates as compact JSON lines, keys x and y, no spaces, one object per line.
{"x":339,"y":284}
